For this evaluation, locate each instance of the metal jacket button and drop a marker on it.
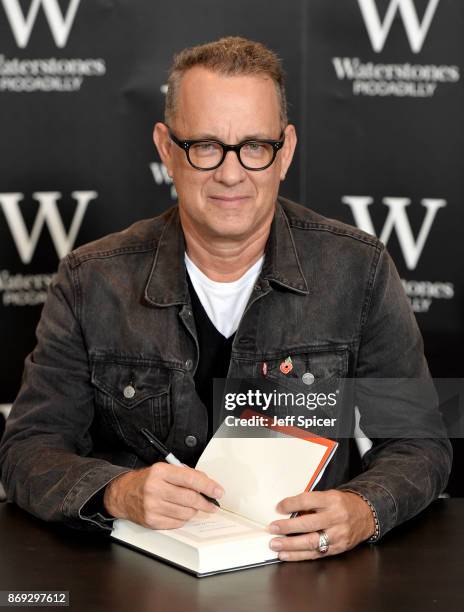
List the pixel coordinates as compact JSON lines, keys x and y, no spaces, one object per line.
{"x":129,"y":392}
{"x":189,"y":364}
{"x":308,"y":378}
{"x":190,"y":441}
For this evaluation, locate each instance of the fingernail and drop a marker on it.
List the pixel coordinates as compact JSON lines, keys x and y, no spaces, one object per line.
{"x":283,"y":556}
{"x":274,"y":528}
{"x":276,"y":545}
{"x":218,"y":492}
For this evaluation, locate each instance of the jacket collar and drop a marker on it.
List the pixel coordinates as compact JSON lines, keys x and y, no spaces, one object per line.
{"x":167,"y":284}
{"x":281,"y":262}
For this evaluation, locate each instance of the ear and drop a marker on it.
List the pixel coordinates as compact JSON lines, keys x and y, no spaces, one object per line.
{"x":287,"y":150}
{"x":163,"y":144}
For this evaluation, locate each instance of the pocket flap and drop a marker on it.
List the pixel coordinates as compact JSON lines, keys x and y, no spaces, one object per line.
{"x":310,"y":367}
{"x":130,"y":384}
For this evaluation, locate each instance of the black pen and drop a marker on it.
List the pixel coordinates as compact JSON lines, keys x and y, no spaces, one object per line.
{"x":170,"y":457}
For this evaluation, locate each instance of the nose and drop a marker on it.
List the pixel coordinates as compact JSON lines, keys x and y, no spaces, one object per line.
{"x":230,"y":172}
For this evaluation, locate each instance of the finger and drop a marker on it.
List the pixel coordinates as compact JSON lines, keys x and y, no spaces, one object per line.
{"x":304,"y":523}
{"x":305,"y":541}
{"x":189,"y":478}
{"x":174,"y":511}
{"x":308,"y":500}
{"x":306,"y":546}
{"x":162,"y":522}
{"x":188,"y":498}
{"x":301,"y":555}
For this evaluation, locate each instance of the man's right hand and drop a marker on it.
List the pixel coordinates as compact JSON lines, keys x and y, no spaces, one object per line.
{"x":161,"y":496}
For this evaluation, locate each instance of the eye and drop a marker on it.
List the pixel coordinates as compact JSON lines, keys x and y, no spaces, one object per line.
{"x":255,"y":150}
{"x":206,"y":148}
{"x":253,"y":147}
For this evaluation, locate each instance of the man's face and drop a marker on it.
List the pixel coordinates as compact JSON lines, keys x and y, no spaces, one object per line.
{"x":230,"y":201}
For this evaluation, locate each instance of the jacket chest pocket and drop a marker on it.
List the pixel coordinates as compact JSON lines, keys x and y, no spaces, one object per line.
{"x":308,"y":380}
{"x":308,"y":369}
{"x":132,"y":396}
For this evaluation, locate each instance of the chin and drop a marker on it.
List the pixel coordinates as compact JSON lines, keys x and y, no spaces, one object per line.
{"x":230,"y":229}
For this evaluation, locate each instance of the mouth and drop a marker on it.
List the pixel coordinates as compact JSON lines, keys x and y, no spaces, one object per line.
{"x":228,"y":200}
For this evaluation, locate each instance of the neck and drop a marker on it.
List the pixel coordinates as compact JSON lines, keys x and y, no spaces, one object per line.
{"x":225,"y":260}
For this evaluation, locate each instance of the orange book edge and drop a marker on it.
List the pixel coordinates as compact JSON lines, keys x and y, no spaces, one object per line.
{"x":297,"y":432}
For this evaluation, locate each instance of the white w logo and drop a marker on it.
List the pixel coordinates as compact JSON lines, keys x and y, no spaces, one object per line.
{"x":47,"y":214}
{"x":415,"y":31}
{"x":21,"y":26}
{"x":398,"y":219}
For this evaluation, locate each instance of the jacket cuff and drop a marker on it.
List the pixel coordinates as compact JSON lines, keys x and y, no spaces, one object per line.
{"x":91,"y":484}
{"x":380,"y":500}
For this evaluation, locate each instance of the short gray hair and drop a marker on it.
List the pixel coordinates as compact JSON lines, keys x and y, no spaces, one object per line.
{"x":230,"y":56}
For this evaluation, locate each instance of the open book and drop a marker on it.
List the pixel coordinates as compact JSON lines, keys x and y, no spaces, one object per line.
{"x":257,"y":466}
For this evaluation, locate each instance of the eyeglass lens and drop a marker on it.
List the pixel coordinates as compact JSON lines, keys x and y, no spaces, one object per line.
{"x":252,"y":154}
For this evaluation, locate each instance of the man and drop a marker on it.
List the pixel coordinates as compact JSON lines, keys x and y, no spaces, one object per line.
{"x":129,"y":339}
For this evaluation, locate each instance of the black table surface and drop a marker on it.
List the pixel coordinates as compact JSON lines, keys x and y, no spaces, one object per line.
{"x":418,"y":566}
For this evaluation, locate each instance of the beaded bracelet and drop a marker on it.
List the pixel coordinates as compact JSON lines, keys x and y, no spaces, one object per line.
{"x":376,"y":533}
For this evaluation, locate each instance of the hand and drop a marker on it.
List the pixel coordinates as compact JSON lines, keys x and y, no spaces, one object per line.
{"x":344,"y":516}
{"x":161,"y":496}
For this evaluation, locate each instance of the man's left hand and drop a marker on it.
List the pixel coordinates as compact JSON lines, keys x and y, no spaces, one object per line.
{"x":345,"y":517}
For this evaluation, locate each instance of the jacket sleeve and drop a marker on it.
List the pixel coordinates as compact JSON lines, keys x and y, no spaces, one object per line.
{"x":46,"y":467}
{"x":410,"y":460}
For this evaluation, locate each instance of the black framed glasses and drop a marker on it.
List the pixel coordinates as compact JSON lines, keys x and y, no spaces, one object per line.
{"x":209,"y":154}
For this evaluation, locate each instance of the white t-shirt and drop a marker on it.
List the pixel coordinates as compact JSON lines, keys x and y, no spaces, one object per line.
{"x":224,"y":303}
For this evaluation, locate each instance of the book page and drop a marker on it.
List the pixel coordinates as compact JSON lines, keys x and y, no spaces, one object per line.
{"x":206,"y":526}
{"x":257,"y":473}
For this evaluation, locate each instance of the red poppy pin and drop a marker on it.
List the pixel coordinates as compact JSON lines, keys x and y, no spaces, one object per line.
{"x":286,"y":366}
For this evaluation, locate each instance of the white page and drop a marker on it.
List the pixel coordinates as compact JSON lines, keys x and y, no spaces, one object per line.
{"x":218,"y":526}
{"x":257,"y":473}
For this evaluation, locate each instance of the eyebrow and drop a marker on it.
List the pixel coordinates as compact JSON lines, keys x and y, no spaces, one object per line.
{"x":208,"y":136}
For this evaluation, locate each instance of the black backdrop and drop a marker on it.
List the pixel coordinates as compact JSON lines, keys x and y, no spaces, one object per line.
{"x":375,"y":92}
